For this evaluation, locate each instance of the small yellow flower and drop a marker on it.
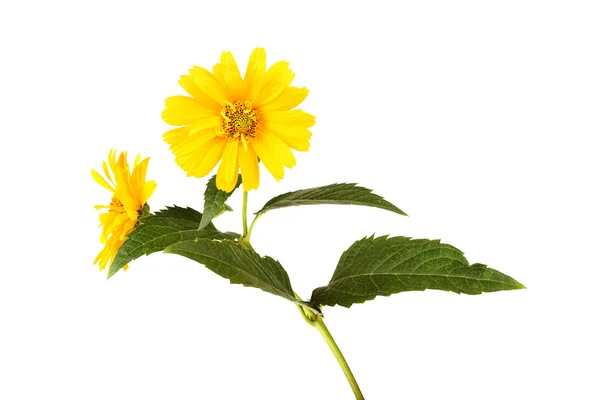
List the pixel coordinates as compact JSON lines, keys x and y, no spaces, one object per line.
{"x":238,"y":121}
{"x":130,"y":193}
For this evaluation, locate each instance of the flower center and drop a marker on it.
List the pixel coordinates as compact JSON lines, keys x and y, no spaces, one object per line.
{"x":239,"y":121}
{"x":116,"y":205}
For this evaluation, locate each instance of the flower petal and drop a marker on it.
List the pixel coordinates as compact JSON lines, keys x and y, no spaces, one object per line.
{"x":191,"y":150}
{"x":98,"y":178}
{"x":175,"y":137}
{"x":143,"y":190}
{"x":206,"y":82}
{"x":290,"y":117}
{"x":255,"y":71}
{"x":206,"y":158}
{"x":183,"y":110}
{"x":296,"y":137}
{"x":228,"y":75}
{"x":275,"y":145}
{"x":270,"y":159}
{"x":228,"y":170}
{"x":192,"y":143}
{"x":249,"y":165}
{"x":204,"y":124}
{"x":105,"y":168}
{"x":276,"y":80}
{"x":288,"y":99}
{"x":187,"y":83}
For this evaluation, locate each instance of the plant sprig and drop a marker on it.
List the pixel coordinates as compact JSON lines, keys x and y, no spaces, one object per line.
{"x":370,"y":267}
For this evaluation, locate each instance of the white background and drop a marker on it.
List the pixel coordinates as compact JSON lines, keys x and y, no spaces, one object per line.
{"x":477,"y":118}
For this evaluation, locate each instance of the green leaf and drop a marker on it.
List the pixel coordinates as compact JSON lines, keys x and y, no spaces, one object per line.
{"x":156,"y":232}
{"x":237,"y":263}
{"x":382,"y":266}
{"x":224,"y":208}
{"x":338,"y":193}
{"x":214,"y":200}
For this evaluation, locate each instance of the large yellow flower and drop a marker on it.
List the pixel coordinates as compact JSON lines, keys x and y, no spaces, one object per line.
{"x":238,"y":121}
{"x":130,"y":193}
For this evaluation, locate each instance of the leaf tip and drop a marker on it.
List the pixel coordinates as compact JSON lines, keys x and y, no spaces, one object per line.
{"x":203,"y":223}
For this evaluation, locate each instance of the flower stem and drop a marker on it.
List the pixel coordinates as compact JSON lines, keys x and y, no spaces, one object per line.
{"x":317,"y":322}
{"x":244,"y":211}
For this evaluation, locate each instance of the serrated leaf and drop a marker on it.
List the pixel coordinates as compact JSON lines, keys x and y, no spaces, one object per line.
{"x":214,"y":199}
{"x":382,"y":266}
{"x":338,"y":193}
{"x":156,"y":232}
{"x":237,"y":263}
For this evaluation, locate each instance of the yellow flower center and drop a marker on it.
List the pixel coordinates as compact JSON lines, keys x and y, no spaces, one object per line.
{"x":239,"y":121}
{"x":116,"y":205}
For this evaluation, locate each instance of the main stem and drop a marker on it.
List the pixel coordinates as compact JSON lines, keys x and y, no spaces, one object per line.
{"x":322,"y":328}
{"x":312,"y":318}
{"x":317,"y":322}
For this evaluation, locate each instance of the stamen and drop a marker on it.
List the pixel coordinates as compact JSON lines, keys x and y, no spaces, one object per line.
{"x":239,"y":121}
{"x":116,"y":205}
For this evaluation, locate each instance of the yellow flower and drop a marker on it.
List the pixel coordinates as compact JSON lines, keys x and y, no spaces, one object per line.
{"x":238,"y":121}
{"x":130,"y":193}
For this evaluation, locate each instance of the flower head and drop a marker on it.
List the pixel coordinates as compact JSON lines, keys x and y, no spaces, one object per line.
{"x":238,"y":121}
{"x":130,"y":193}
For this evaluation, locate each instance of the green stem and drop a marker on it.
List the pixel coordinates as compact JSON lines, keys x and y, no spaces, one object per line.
{"x":252,"y":226}
{"x":322,"y":328}
{"x":244,"y":211}
{"x":317,"y":322}
{"x":311,"y":317}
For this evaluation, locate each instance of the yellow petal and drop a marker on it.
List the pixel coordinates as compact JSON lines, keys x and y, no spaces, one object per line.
{"x":182,"y":145}
{"x":207,"y":158}
{"x":228,"y":75}
{"x":249,"y":166}
{"x":290,"y":117}
{"x":285,"y":131}
{"x":101,"y":181}
{"x":278,"y":148}
{"x":187,"y":83}
{"x":183,"y":110}
{"x":288,"y":99}
{"x":255,"y":71}
{"x":174,"y":137}
{"x":228,"y":170}
{"x":276,"y":80}
{"x":147,"y":191}
{"x":206,"y":82}
{"x":205,"y":123}
{"x":105,"y":168}
{"x":295,"y":137}
{"x":143,"y":190}
{"x":270,"y":160}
